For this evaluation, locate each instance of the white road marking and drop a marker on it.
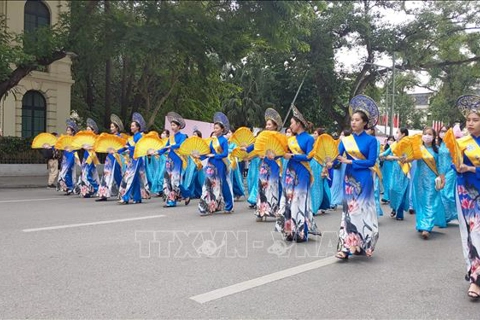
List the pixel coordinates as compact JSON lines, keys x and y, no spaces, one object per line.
{"x":249,"y":284}
{"x":29,"y":200}
{"x":91,"y":223}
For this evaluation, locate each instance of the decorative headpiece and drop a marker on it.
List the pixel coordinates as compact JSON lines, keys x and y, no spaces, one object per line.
{"x":222,"y":119}
{"x":299,"y":116}
{"x":273,"y":115}
{"x":468,"y":103}
{"x":137,"y":117}
{"x":367,"y":106}
{"x":117,"y":121}
{"x":92,"y":124}
{"x":72,"y":124}
{"x":175,"y":117}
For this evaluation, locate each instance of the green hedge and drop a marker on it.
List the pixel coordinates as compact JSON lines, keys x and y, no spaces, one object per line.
{"x":18,"y":150}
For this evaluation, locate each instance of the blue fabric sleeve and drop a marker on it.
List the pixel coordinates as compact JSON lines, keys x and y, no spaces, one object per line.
{"x":387,"y":152}
{"x":250,"y":148}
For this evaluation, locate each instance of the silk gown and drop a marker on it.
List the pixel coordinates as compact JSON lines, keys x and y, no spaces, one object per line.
{"x":295,"y":219}
{"x":235,"y":174}
{"x":448,"y":193}
{"x":468,"y":190}
{"x":320,"y":189}
{"x":112,"y":176}
{"x":429,"y":210}
{"x":387,"y":172}
{"x":269,"y":188}
{"x":252,"y":178}
{"x":89,"y":181}
{"x":194,"y":177}
{"x":399,"y":186}
{"x":217,"y":191}
{"x":66,"y":177}
{"x":359,"y":226}
{"x":173,"y":188}
{"x":134,"y":182}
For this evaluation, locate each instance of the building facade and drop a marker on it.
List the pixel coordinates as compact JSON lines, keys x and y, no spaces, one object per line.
{"x":41,"y":101}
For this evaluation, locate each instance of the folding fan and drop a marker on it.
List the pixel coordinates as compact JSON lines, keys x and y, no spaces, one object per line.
{"x":409,"y":147}
{"x":152,"y":134}
{"x":242,"y":137}
{"x":454,"y":148}
{"x":146,"y":143}
{"x":44,"y":140}
{"x":106,"y":141}
{"x":64,"y":142}
{"x":239,"y":153}
{"x":269,"y":143}
{"x":124,"y":136}
{"x":325,"y":149}
{"x":194,"y":146}
{"x":208,"y":141}
{"x":84,"y":139}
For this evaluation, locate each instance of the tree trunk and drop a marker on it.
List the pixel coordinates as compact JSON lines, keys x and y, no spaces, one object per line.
{"x":90,"y":98}
{"x":108,"y":74}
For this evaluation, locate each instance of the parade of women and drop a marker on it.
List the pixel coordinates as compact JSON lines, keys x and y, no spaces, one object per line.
{"x":295,"y":173}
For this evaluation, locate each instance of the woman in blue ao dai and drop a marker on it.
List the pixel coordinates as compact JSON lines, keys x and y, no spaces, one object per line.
{"x":269,"y":184}
{"x":400,"y":179}
{"x":320,"y":188}
{"x":426,"y":198}
{"x":89,"y":180}
{"x":217,"y":189}
{"x":448,"y":193}
{"x":295,"y":220}
{"x":173,"y":188}
{"x":387,"y":168}
{"x":134,"y":183}
{"x":359,"y":226}
{"x":66,"y":176}
{"x":112,"y":170}
{"x":194,"y":176}
{"x":468,"y":190}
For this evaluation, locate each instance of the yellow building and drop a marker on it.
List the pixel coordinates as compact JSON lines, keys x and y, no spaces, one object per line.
{"x":41,"y":101}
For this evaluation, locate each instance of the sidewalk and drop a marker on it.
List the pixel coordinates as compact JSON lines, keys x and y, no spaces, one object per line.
{"x":23,"y":182}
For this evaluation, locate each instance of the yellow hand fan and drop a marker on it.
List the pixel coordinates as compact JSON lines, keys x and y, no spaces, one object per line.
{"x":84,"y":139}
{"x":44,"y":140}
{"x":65,"y":142}
{"x":194,"y":146}
{"x":106,"y":141}
{"x":239,"y":153}
{"x":124,"y":136}
{"x":208,"y":141}
{"x":242,"y":137}
{"x":147,"y":143}
{"x":152,"y":134}
{"x":454,"y":148}
{"x":270,"y":144}
{"x":409,"y":148}
{"x":325,"y":149}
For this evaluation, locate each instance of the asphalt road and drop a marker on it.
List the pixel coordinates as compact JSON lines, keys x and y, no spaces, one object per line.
{"x":67,"y":257}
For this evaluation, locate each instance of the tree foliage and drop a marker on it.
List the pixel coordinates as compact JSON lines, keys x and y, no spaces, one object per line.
{"x":198,"y":57}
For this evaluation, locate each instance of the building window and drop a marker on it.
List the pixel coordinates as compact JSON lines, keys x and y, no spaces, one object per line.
{"x":34,"y":111}
{"x":36,"y":15}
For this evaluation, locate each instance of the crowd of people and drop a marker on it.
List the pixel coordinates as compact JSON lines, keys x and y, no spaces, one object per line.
{"x":295,"y":187}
